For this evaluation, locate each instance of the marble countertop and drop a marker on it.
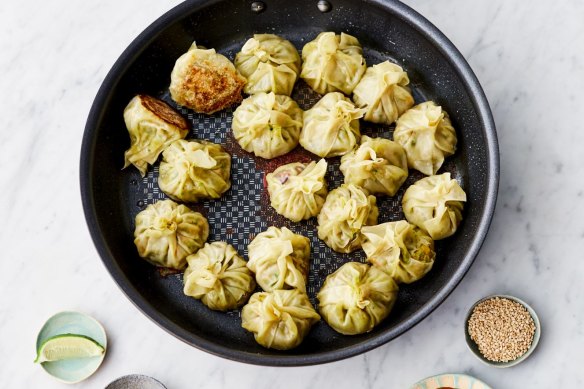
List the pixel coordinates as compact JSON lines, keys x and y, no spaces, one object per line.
{"x":529,"y":57}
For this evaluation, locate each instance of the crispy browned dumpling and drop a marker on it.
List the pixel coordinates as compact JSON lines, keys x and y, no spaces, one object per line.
{"x":164,"y":111}
{"x":152,"y":125}
{"x":205,"y":81}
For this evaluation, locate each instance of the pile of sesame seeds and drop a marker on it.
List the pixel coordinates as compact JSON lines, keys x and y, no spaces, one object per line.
{"x":502,"y":329}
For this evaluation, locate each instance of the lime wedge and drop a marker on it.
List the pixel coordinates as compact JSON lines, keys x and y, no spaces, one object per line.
{"x":68,"y":346}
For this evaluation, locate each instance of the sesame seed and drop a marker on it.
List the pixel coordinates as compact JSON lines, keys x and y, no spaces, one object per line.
{"x":502,"y":329}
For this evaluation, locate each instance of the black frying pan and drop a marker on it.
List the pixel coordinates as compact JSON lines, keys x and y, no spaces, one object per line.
{"x":112,"y":197}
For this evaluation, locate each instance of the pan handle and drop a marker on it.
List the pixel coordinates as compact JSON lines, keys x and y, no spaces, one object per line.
{"x":323,"y":6}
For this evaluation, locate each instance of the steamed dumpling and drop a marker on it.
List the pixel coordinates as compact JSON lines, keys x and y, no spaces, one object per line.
{"x":401,"y":249}
{"x":270,"y":64}
{"x":205,"y":81}
{"x":267,"y":125}
{"x":279,"y":319}
{"x":356,"y":298}
{"x":152,"y":125}
{"x":435,"y":205}
{"x":297,"y":190}
{"x":194,"y":170}
{"x":378,"y":165}
{"x":427,"y":135}
{"x":280,"y":259}
{"x":166,"y":233}
{"x":218,"y":276}
{"x":333,"y":63}
{"x":331,"y":126}
{"x":346,"y":210}
{"x":384,"y":93}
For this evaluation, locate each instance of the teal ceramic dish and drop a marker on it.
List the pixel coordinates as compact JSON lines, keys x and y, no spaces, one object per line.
{"x":455,"y":381}
{"x":71,"y":371}
{"x":475,"y":349}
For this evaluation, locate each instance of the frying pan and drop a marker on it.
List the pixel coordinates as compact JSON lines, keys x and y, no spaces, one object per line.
{"x":112,"y":197}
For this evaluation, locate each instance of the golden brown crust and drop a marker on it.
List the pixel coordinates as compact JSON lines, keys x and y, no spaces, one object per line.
{"x":164,"y":111}
{"x":210,"y":89}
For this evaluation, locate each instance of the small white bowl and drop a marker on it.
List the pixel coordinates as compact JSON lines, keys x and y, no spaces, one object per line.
{"x":475,"y":349}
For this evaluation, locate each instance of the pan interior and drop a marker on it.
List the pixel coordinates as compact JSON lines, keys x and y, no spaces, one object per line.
{"x":244,"y":211}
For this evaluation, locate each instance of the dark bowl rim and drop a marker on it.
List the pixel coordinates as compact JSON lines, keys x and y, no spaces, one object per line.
{"x":479,"y":100}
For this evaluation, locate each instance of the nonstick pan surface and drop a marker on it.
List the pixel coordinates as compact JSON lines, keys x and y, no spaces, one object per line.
{"x":112,"y":197}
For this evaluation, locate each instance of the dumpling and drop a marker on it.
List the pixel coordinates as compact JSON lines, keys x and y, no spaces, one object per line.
{"x":152,"y":125}
{"x":426,"y":133}
{"x":267,"y":125}
{"x":194,"y":170}
{"x":270,"y":64}
{"x":333,"y":63}
{"x":218,"y":276}
{"x":280,"y":259}
{"x":279,"y":319}
{"x":346,"y":210}
{"x":166,"y":233}
{"x":205,"y":81}
{"x":435,"y":205}
{"x":331,"y":126}
{"x":356,"y":298}
{"x":401,"y":249}
{"x":384,"y":93}
{"x":297,"y":190}
{"x":378,"y":165}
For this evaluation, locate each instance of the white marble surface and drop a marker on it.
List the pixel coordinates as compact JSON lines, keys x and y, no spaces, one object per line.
{"x":529,"y":57}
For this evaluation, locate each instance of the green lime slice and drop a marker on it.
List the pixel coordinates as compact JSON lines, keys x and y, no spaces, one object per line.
{"x":68,"y":346}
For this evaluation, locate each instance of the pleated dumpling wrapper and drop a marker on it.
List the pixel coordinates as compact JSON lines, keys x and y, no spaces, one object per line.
{"x":280,"y":259}
{"x":298,"y":190}
{"x":333,"y":63}
{"x":194,"y":170}
{"x":378,"y":165}
{"x":435,"y":205}
{"x":167,"y":232}
{"x":346,"y":210}
{"x":205,"y":81}
{"x":152,"y":125}
{"x":400,"y":249}
{"x":219,"y":277}
{"x":270,"y":64}
{"x":280,"y":319}
{"x":384,"y":93}
{"x":356,"y":298}
{"x":331,"y":126}
{"x":426,"y":133}
{"x":267,"y":124}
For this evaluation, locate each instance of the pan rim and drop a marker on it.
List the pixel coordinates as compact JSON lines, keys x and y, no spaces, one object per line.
{"x":479,"y":100}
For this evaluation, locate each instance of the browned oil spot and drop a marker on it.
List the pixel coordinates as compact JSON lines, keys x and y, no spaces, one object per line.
{"x":197,"y":207}
{"x":233,"y":148}
{"x":165,"y":271}
{"x":296,"y":155}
